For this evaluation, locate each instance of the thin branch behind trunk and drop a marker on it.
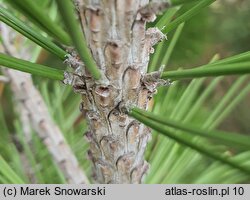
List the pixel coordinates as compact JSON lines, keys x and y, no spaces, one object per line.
{"x":33,"y":107}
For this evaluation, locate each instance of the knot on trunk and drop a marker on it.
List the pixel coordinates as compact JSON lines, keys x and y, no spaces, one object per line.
{"x":153,"y":36}
{"x":153,"y":80}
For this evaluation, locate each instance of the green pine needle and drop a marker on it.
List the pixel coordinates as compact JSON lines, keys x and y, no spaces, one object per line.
{"x":201,"y":148}
{"x":8,"y":173}
{"x":243,"y":57}
{"x":233,"y":139}
{"x":31,"y":10}
{"x":29,"y":67}
{"x":166,"y":18}
{"x":187,"y":15}
{"x":21,"y":27}
{"x":172,"y":44}
{"x":164,"y":21}
{"x":68,"y":14}
{"x":179,"y":2}
{"x":220,"y":70}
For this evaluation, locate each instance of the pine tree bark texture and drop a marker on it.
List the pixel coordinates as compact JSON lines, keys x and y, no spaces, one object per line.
{"x":120,"y":44}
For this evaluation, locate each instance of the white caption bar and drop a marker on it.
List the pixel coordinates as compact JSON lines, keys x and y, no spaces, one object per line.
{"x":125,"y":192}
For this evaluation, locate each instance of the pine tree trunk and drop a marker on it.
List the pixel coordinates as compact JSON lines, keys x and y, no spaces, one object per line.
{"x":120,"y":44}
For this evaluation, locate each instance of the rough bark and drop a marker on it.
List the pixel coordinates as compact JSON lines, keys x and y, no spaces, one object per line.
{"x":121,"y":45}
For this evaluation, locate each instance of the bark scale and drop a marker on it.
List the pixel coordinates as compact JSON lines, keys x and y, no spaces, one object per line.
{"x":120,"y":44}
